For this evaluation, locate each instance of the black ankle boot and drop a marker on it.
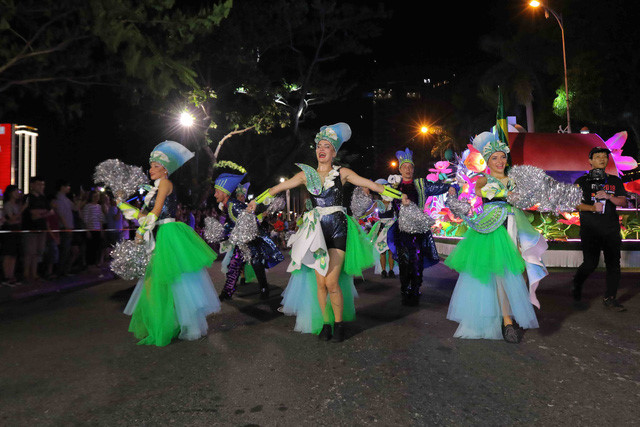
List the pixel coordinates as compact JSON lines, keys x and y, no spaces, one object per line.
{"x":325,"y":333}
{"x":224,"y":296}
{"x":338,"y":332}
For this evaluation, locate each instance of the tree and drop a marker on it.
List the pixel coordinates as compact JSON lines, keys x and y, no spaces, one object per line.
{"x":267,"y":67}
{"x":50,"y":48}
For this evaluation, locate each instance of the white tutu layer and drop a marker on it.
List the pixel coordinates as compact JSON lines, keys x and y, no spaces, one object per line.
{"x":194,"y":297}
{"x":476,"y":306}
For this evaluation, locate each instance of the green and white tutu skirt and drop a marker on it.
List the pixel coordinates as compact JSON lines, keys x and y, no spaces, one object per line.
{"x":176,"y":294}
{"x":310,"y":254}
{"x":491,"y":276}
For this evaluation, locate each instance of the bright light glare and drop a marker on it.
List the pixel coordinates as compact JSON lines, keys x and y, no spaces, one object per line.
{"x":424,"y":129}
{"x":282,"y":179}
{"x":534,"y":3}
{"x":186,"y":119}
{"x":394,"y":163}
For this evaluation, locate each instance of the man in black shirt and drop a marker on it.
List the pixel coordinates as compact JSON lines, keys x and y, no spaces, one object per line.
{"x":599,"y":226}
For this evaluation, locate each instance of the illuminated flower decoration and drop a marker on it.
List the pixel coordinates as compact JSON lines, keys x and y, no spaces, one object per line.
{"x":448,"y":216}
{"x":433,"y":204}
{"x":615,"y":144}
{"x":439,"y":172}
{"x":570,"y":218}
{"x":474,"y":160}
{"x":633,"y":186}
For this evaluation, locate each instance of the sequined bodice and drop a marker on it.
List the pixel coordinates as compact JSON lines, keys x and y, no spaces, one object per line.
{"x":170,"y":206}
{"x":332,"y":196}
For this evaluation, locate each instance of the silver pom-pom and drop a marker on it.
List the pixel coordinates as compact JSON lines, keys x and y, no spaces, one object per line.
{"x":121,"y":178}
{"x":130,"y":260}
{"x":213,"y":230}
{"x":276,"y":206}
{"x":535,"y":187}
{"x":245,"y":231}
{"x":459,"y":207}
{"x":413,"y":221}
{"x":361,"y":202}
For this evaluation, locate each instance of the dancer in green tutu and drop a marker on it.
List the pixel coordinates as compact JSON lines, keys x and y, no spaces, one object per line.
{"x":491,"y":299}
{"x":176,"y":294}
{"x":330,"y":247}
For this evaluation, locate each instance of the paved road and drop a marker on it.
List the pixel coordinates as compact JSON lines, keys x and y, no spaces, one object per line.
{"x":67,"y":359}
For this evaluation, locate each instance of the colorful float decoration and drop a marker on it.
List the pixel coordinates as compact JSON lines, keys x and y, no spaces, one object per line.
{"x":564,"y":157}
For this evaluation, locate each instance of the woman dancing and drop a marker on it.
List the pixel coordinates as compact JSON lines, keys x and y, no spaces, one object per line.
{"x":176,"y":294}
{"x":329,"y":242}
{"x":491,"y":299}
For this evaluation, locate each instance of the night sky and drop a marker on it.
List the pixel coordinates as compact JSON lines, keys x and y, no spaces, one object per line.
{"x":440,"y":38}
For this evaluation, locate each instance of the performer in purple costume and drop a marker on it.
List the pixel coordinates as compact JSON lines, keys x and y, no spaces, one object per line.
{"x":413,"y":252}
{"x":264,"y":253}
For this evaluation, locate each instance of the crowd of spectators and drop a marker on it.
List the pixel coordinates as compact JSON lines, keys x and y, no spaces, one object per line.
{"x":49,"y":235}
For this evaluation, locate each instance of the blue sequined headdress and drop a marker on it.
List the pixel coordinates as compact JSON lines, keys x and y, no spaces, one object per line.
{"x":336,"y":134}
{"x":243,"y":189}
{"x":171,"y":155}
{"x":488,"y":143}
{"x":405,"y":156}
{"x":227,"y":182}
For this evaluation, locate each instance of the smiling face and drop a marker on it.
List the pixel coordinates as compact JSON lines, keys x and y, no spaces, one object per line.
{"x":325,"y":152}
{"x":221,"y":196}
{"x":157,"y":171}
{"x":406,"y":170}
{"x":599,"y":161}
{"x":497,"y":162}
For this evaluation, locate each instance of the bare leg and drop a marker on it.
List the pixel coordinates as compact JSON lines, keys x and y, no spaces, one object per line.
{"x":504,"y":304}
{"x":383,"y":261}
{"x":328,"y":285}
{"x":391,"y":262}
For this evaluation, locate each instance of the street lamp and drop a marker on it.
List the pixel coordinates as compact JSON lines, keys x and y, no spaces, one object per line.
{"x":186,"y":119}
{"x":424,"y":129}
{"x":558,"y":17}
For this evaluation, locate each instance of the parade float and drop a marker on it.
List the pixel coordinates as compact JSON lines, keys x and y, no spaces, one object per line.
{"x":562,"y":156}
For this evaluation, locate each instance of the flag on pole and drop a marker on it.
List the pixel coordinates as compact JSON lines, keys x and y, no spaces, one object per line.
{"x":501,"y":130}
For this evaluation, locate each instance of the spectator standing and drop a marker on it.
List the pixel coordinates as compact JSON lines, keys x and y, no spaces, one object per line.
{"x":93,"y":218}
{"x":63,"y":207}
{"x":35,"y":219}
{"x":114,"y":221}
{"x":12,"y":213}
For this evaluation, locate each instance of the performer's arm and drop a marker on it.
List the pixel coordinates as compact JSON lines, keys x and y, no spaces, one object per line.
{"x":436,"y":188}
{"x":298,"y":179}
{"x":353,"y":178}
{"x":149,"y":221}
{"x":480,"y":183}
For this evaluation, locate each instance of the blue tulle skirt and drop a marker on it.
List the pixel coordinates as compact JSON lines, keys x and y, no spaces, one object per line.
{"x":476,"y":305}
{"x":300,"y":299}
{"x":194,"y":298}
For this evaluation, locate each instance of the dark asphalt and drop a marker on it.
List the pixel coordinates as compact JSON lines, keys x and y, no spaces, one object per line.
{"x":67,"y":359}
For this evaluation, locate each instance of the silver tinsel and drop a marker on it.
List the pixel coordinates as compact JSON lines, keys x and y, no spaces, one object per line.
{"x":458,"y":207}
{"x":413,"y":221}
{"x":276,"y":206}
{"x":245,"y":231}
{"x":120,"y":177}
{"x":130,"y":259}
{"x":213,"y":230}
{"x":535,"y":187}
{"x":360,"y":202}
